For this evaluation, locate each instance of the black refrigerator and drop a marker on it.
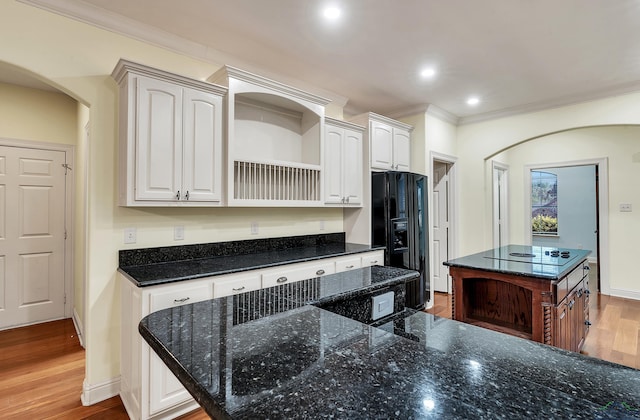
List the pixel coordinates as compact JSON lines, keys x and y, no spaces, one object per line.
{"x":399,"y":223}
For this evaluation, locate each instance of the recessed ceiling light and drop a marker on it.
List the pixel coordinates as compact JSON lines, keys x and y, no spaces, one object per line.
{"x":428,"y":73}
{"x":473,"y":101}
{"x":332,"y":12}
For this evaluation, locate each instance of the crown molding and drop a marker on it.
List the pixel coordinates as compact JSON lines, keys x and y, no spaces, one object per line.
{"x":121,"y":25}
{"x":618,"y":90}
{"x":430,"y":109}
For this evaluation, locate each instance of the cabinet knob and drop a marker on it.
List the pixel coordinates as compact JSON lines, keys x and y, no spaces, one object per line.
{"x":186,"y":196}
{"x":319,"y":272}
{"x":178,"y":195}
{"x":587,"y":323}
{"x":281,"y":280}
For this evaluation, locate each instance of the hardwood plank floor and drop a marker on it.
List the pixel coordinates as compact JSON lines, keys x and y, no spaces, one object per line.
{"x":42,"y":366}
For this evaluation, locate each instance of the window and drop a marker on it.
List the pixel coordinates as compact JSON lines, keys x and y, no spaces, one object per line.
{"x":544,"y":203}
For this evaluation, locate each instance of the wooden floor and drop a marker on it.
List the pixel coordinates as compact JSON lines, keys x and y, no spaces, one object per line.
{"x":42,"y":366}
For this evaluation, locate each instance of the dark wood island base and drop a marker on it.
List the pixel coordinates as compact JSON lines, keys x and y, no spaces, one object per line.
{"x":533,"y":295}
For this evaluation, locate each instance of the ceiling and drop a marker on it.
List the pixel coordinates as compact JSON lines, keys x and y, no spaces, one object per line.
{"x":514,"y":55}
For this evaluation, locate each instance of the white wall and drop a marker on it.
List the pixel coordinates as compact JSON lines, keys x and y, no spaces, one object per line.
{"x":78,"y":59}
{"x":551,"y":137}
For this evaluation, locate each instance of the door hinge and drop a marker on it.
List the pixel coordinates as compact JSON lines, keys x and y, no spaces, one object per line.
{"x":66,"y":167}
{"x":65,"y":298}
{"x":65,"y":235}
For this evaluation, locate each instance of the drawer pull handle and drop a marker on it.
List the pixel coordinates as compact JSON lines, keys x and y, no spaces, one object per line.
{"x":181,"y":300}
{"x":237,"y":289}
{"x":320,"y":272}
{"x":349,"y":267}
{"x":374,"y":262}
{"x":281,"y":280}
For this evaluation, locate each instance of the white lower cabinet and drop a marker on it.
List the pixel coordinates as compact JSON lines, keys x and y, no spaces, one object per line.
{"x":348,"y":263}
{"x":373,"y":258}
{"x":148,"y":388}
{"x":232,"y":284}
{"x":295,"y":272}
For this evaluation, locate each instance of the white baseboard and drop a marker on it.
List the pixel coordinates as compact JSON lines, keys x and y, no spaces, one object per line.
{"x":79,"y":327}
{"x":624,"y":293}
{"x":94,"y":393}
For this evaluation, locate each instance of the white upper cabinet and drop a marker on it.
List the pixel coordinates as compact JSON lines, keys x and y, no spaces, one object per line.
{"x":170,"y":138}
{"x":389,"y":142}
{"x":274,"y":142}
{"x":343,"y":163}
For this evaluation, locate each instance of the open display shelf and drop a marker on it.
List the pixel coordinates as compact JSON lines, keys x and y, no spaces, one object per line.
{"x":274,"y":142}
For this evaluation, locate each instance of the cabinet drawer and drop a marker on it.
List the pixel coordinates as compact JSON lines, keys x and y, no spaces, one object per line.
{"x":348,"y":263}
{"x":179,"y":296}
{"x":376,"y":258}
{"x":296,"y":272}
{"x":575,"y":277}
{"x":236,"y":283}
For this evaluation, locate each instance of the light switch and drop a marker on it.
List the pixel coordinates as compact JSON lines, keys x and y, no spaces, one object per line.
{"x":178,"y":233}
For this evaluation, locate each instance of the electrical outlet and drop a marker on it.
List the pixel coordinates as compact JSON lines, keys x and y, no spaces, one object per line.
{"x":130,"y":235}
{"x":321,"y":224}
{"x":626,"y":207}
{"x":178,"y":233}
{"x":254,"y":228}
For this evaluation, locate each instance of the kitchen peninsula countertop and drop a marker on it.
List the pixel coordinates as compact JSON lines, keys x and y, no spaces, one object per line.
{"x":524,"y":260}
{"x":305,"y":362}
{"x":154,"y":266}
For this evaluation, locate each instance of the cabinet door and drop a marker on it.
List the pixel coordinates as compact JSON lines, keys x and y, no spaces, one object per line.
{"x":352,"y":167}
{"x":381,"y":146}
{"x":202,"y":146}
{"x":158,"y":140}
{"x":333,"y":165}
{"x":401,"y":150}
{"x":165,"y":390}
{"x":562,"y":326}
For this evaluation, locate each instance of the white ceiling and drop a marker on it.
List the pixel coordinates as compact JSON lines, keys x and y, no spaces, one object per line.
{"x":515,"y":55}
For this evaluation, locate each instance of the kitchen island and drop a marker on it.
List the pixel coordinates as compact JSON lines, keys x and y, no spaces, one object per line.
{"x":310,"y":363}
{"x":533,"y":292}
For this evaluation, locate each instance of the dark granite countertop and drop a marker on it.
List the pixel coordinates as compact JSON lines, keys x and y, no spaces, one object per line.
{"x":524,"y":260}
{"x":308,"y":363}
{"x":153,"y":266}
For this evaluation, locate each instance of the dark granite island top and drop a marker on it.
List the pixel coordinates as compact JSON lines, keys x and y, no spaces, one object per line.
{"x":305,"y":362}
{"x":154,"y":266}
{"x":524,"y":260}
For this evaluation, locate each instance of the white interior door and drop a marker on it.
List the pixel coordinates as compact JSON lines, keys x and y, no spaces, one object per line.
{"x":32,"y":230}
{"x":440,"y":204}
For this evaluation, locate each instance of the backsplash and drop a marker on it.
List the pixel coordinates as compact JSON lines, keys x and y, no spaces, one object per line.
{"x":143,"y":256}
